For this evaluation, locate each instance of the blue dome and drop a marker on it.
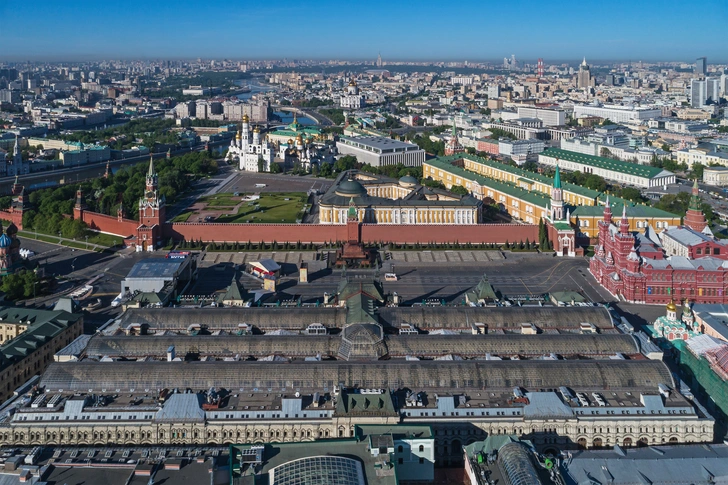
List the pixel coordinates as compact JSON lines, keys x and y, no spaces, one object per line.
{"x":5,"y":241}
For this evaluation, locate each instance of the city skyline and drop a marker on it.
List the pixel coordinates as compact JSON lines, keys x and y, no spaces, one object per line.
{"x":432,"y":31}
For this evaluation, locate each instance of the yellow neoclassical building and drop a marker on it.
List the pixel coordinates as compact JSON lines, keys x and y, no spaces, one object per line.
{"x":527,"y":196}
{"x":384,"y":200}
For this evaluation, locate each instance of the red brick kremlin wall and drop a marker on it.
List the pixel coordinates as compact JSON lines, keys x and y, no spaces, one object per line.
{"x":16,"y":217}
{"x":321,"y":233}
{"x":370,"y":233}
{"x":110,"y":224}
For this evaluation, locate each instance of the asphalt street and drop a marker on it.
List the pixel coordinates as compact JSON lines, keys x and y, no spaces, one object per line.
{"x":78,"y":266}
{"x":245,"y":183}
{"x":519,"y":274}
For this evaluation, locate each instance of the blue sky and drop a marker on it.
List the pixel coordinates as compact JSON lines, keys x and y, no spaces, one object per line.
{"x":443,"y":30}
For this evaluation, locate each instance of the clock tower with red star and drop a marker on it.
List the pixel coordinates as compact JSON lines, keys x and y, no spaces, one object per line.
{"x":151,"y":213}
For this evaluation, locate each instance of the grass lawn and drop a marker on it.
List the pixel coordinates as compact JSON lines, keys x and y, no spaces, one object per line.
{"x":94,"y":238}
{"x":224,"y":200}
{"x":103,"y":239}
{"x":183,"y":217}
{"x":271,"y":208}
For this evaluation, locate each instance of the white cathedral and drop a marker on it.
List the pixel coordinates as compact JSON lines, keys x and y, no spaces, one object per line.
{"x":248,"y":152}
{"x":352,"y":99}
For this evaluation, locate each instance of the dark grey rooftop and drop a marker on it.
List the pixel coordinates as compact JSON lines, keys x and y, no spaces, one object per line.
{"x":546,"y":317}
{"x":694,"y":464}
{"x":156,"y":268}
{"x":395,"y":346}
{"x":566,"y":319}
{"x":379,"y":142}
{"x":504,"y":374}
{"x":278,"y":454}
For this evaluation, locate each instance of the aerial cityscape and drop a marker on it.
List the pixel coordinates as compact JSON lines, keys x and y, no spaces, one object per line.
{"x":311,"y":244}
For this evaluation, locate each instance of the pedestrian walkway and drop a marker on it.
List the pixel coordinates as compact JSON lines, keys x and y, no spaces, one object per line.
{"x":291,"y":257}
{"x":217,"y":187}
{"x":438,"y":257}
{"x":81,"y":245}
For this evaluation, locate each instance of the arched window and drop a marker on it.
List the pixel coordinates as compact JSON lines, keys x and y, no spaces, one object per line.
{"x":422,"y":448}
{"x":400,"y":449}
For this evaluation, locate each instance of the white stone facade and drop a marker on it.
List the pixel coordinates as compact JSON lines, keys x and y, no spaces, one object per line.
{"x":248,"y":151}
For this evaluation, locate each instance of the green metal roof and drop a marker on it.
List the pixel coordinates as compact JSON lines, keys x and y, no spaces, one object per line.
{"x":525,"y":174}
{"x":483,"y":291}
{"x":43,"y":326}
{"x":629,"y":168}
{"x":536,"y":198}
{"x":351,"y":404}
{"x":557,"y":178}
{"x":234,"y":292}
{"x":632,"y":211}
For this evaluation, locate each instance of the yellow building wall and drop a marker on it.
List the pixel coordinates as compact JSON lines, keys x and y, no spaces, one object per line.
{"x":10,"y":330}
{"x":502,"y":175}
{"x":589,"y":225}
{"x":516,"y":207}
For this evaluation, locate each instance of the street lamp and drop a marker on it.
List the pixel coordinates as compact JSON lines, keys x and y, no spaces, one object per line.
{"x":86,"y":242}
{"x":73,"y":265}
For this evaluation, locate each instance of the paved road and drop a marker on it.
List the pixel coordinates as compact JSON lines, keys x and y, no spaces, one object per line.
{"x":78,"y":266}
{"x":245,"y":182}
{"x":519,"y":274}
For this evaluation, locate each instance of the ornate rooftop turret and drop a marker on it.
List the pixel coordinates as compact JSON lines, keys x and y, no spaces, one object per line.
{"x":624,"y":223}
{"x":352,"y":215}
{"x":694,"y":217}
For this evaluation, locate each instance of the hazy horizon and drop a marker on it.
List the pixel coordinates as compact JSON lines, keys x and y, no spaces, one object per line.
{"x":485,"y":31}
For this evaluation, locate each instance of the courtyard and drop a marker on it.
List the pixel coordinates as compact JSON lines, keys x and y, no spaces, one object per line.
{"x":262,"y":208}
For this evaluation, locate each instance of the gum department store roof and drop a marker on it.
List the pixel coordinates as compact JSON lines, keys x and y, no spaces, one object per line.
{"x":530,"y":374}
{"x":396,"y":346}
{"x":335,"y":317}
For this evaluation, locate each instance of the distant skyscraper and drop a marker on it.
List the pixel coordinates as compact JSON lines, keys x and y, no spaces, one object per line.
{"x":379,"y":60}
{"x":701,"y":66}
{"x":702,"y":90}
{"x":584,"y":78}
{"x":539,"y":67}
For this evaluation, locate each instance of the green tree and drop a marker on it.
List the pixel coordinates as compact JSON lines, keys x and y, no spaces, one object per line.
{"x":347,"y":162}
{"x":459,"y":190}
{"x":261,"y":163}
{"x":23,"y":284}
{"x":542,"y":236}
{"x":325,"y":170}
{"x":275,"y":168}
{"x":632,"y":194}
{"x":595,"y":182}
{"x":497,"y":133}
{"x":697,"y":170}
